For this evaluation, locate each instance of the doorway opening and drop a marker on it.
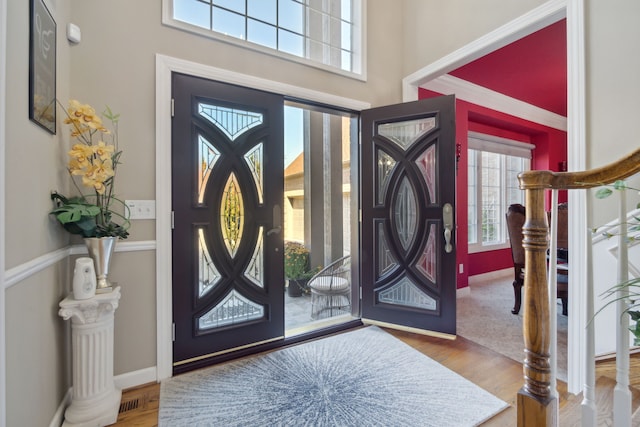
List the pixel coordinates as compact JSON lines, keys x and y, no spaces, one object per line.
{"x":317,"y":209}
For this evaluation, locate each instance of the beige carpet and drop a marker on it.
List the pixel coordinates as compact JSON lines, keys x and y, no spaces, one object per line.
{"x":484,"y":317}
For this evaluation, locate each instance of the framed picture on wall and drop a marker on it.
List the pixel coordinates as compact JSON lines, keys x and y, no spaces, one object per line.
{"x":42,"y":66}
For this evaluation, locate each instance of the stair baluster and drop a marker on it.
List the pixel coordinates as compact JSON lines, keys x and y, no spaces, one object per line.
{"x":536,"y":403}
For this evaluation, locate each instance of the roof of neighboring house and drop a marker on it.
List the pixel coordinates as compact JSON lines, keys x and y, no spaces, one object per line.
{"x":296,"y":166}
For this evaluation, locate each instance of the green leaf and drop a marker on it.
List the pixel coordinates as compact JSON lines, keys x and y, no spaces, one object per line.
{"x":620,"y":185}
{"x":635,"y":315}
{"x":68,"y":216}
{"x":603,"y":193}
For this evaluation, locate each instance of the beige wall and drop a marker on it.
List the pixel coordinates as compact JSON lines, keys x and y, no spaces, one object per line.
{"x":613,"y":88}
{"x":37,"y":340}
{"x":434,"y":28}
{"x":114,"y":64}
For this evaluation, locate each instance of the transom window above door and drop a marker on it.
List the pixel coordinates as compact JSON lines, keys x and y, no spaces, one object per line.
{"x":322,"y":33}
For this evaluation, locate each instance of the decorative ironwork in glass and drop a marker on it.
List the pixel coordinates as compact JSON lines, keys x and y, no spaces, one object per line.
{"x":407,"y":294}
{"x":386,"y":260}
{"x":427,"y":263}
{"x":207,"y":158}
{"x":405,"y":213}
{"x":255,"y":269}
{"x":232,"y":215}
{"x":386,"y":163}
{"x":427,"y":165}
{"x":229,"y":120}
{"x":233,"y":309}
{"x":208,"y":275}
{"x":254,"y":161}
{"x":404,"y":134}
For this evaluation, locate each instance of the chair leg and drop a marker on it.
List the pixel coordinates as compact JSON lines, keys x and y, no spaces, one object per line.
{"x":565,"y":306}
{"x":517,"y":293}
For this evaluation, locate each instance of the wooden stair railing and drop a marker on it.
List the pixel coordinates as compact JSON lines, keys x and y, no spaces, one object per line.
{"x":537,"y":405}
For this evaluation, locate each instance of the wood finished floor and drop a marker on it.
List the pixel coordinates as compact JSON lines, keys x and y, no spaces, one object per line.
{"x":495,"y":373}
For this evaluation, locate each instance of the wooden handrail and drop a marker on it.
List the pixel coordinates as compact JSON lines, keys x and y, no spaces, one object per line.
{"x":621,"y":169}
{"x":536,"y":405}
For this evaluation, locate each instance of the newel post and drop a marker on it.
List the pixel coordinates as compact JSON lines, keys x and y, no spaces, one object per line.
{"x":535,"y":403}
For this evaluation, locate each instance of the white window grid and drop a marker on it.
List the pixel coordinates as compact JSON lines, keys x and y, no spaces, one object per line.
{"x":328,"y":33}
{"x":492,"y":187}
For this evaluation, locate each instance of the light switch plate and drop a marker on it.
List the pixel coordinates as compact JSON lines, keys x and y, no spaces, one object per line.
{"x":141,"y":209}
{"x":74,"y":35}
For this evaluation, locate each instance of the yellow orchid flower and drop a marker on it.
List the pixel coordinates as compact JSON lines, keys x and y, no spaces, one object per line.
{"x":84,"y":118}
{"x":92,"y":163}
{"x":103,"y":170}
{"x":103,"y":151}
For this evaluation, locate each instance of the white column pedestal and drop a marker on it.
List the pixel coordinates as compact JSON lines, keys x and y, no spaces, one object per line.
{"x":95,"y":400}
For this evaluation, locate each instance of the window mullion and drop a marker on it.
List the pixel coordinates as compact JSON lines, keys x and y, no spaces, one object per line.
{"x":479,"y":201}
{"x":246,"y":20}
{"x":503,"y":195}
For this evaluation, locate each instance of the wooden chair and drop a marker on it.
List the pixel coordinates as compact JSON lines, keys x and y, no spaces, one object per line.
{"x":331,"y":289}
{"x":562,"y":255}
{"x":515,"y":220}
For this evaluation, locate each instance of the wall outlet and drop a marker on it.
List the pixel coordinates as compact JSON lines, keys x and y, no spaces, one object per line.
{"x":141,"y":209}
{"x":460,"y":268}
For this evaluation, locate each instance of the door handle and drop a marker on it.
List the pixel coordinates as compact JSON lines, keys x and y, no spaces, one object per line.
{"x":447,"y":219}
{"x":277,"y":221}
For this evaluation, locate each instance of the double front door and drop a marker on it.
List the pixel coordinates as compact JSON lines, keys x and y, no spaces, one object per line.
{"x":227,"y":201}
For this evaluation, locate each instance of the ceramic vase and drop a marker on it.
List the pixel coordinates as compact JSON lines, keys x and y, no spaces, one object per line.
{"x":100,"y":250}
{"x":84,"y":279}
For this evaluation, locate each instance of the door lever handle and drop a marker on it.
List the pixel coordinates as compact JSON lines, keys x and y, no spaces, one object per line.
{"x":447,"y":219}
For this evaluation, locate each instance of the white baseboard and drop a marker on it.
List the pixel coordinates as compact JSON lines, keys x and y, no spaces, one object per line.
{"x":122,"y":381}
{"x":463,"y":292}
{"x":58,"y":417}
{"x":490,"y":275}
{"x":136,"y":378}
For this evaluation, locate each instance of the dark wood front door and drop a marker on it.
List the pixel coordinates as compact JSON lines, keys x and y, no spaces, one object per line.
{"x":408,"y":258}
{"x":227,"y":191}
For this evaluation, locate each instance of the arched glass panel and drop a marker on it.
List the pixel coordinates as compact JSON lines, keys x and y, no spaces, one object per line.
{"x":405,"y":133}
{"x":233,"y":309}
{"x":405,"y":216}
{"x":386,"y":260}
{"x":232,"y":215}
{"x":230,"y":121}
{"x":208,"y":275}
{"x":254,"y":161}
{"x":406,"y":293}
{"x":385,"y":165}
{"x":207,"y":158}
{"x":427,"y":165}
{"x":255,"y":269}
{"x":427,"y":263}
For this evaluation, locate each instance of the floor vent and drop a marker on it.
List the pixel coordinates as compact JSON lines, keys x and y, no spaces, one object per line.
{"x":129,"y":405}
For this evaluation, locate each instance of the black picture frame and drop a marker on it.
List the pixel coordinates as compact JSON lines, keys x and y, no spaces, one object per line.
{"x":42,"y":66}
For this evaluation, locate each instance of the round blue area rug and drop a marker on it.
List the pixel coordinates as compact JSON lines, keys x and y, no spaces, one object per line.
{"x":361,"y":378}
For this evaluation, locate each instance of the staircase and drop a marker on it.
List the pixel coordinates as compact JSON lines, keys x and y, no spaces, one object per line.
{"x":537,"y":401}
{"x":571,"y":409}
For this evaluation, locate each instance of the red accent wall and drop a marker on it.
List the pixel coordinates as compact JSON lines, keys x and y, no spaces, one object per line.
{"x":550,"y":151}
